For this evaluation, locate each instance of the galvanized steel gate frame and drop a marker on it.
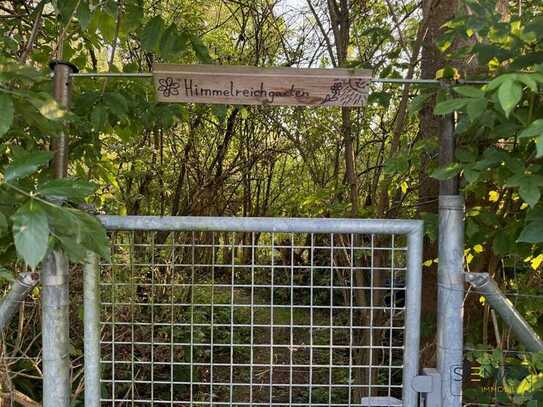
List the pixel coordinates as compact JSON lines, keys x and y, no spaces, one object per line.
{"x":412,"y":229}
{"x":443,"y":388}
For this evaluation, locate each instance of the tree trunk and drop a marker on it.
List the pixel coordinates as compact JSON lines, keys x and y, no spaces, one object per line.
{"x":436,"y":13}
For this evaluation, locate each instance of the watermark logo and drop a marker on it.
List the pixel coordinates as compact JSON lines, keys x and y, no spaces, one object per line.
{"x":497,"y":384}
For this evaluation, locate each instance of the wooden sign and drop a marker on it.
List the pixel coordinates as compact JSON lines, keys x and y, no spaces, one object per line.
{"x":241,"y":85}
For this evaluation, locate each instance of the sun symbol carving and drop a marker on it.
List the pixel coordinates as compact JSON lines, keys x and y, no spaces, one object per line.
{"x":348,"y":92}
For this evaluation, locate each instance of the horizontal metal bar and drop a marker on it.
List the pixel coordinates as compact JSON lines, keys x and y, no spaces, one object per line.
{"x":437,"y":82}
{"x":389,"y":289}
{"x":250,"y":345}
{"x":237,"y":403}
{"x":305,"y":385}
{"x":337,"y":328}
{"x":261,"y":306}
{"x":503,"y":306}
{"x":401,"y":81}
{"x":276,"y":225}
{"x":301,"y":366}
{"x":260,"y":267}
{"x":248,"y":246}
{"x":112,"y":75}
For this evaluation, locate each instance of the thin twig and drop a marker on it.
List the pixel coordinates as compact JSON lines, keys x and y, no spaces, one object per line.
{"x":57,"y":52}
{"x":35,"y":29}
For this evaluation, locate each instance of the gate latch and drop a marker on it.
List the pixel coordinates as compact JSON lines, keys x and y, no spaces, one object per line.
{"x":429,"y":385}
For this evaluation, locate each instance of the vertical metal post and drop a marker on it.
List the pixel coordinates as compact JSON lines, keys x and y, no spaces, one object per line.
{"x":447,"y":146}
{"x":91,"y":323}
{"x":450,"y":278}
{"x":55,"y":295}
{"x":413,"y":314}
{"x":55,"y":331}
{"x":61,"y":92}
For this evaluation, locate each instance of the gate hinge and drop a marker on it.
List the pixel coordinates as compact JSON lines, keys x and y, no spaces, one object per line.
{"x":429,"y":385}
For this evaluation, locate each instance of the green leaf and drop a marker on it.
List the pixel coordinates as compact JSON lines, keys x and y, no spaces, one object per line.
{"x":487,"y":52}
{"x":31,"y":232}
{"x":535,"y":214}
{"x":106,"y":24}
{"x":539,"y":146}
{"x":530,"y":193}
{"x":504,"y":242}
{"x":73,"y":249}
{"x":492,"y":157}
{"x":117,"y":104}
{"x":469,"y":91}
{"x":93,"y":234}
{"x":133,"y":15}
{"x":418,"y":102}
{"x":497,"y":82}
{"x":27,"y":163}
{"x":219,"y":111}
{"x":397,"y":164}
{"x":150,"y":37}
{"x":172,"y":42}
{"x":11,"y":70}
{"x":471,"y":175}
{"x":81,"y":228}
{"x":65,"y":9}
{"x":535,"y":128}
{"x":447,"y":172}
{"x":509,"y":94}
{"x":475,"y":108}
{"x":528,"y":80}
{"x":530,"y":384}
{"x":6,"y":275}
{"x":6,"y":113}
{"x":48,"y":107}
{"x":200,"y":49}
{"x":532,"y":233}
{"x":67,"y":189}
{"x":99,"y":117}
{"x":84,"y":14}
{"x":380,"y":98}
{"x":466,"y":154}
{"x":528,"y":187}
{"x":63,"y":221}
{"x":3,"y":225}
{"x":450,"y":106}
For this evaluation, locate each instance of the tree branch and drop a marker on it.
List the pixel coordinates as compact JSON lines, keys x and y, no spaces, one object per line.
{"x":35,"y":29}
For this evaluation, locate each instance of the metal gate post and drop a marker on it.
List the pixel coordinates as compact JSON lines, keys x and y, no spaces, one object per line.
{"x":91,"y":323}
{"x":450,"y":278}
{"x":413,"y":314}
{"x":55,"y":295}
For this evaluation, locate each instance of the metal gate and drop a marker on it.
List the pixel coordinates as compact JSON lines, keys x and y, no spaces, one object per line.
{"x":202,"y":311}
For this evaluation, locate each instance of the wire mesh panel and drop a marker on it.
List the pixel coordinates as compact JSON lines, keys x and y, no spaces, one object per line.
{"x":233,"y":318}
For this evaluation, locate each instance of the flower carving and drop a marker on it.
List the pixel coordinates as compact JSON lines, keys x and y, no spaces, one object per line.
{"x":168,"y":87}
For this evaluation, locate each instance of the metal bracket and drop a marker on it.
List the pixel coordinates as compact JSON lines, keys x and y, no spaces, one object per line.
{"x":429,"y":385}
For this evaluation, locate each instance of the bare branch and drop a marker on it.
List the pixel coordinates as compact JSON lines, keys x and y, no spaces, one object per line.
{"x":35,"y":29}
{"x":324,"y":33}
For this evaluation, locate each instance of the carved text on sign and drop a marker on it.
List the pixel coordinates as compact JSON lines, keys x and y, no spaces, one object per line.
{"x":261,"y":86}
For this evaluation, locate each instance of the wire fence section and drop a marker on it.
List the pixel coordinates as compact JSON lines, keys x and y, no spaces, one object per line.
{"x":234,"y":318}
